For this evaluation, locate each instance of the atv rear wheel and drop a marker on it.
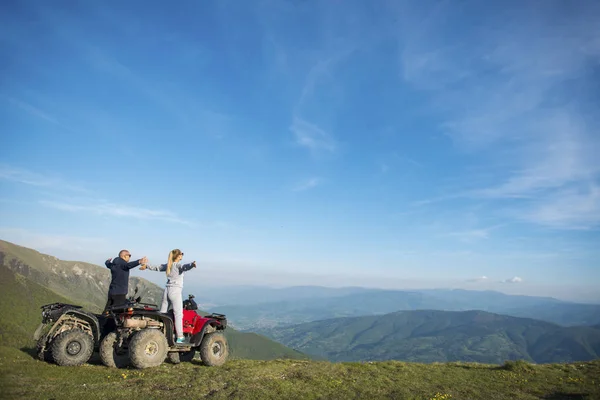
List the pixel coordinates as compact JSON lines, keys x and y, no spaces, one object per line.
{"x":185,"y":356}
{"x":148,"y":348}
{"x":72,"y":347}
{"x":111,"y":354}
{"x":213,"y":349}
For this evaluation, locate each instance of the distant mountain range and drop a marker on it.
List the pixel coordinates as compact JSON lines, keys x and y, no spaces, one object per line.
{"x":350,"y":302}
{"x":29,"y":279}
{"x":441,"y":336}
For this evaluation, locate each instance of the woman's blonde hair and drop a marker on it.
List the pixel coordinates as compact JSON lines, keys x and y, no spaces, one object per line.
{"x":172,"y":256}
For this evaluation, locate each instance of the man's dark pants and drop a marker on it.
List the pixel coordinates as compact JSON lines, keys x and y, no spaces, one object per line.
{"x":115,"y":300}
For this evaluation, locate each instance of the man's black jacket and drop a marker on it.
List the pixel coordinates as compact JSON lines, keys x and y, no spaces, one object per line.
{"x":119,"y":269}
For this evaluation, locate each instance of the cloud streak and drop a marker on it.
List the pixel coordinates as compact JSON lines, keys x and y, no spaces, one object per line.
{"x":312,"y":137}
{"x":528,"y":114}
{"x":34,"y":111}
{"x":479,"y":279}
{"x":30,"y":178}
{"x":514,"y":279}
{"x":38,"y":240}
{"x":567,"y":209}
{"x":307,"y":184}
{"x":116,"y":210}
{"x":98,"y":207}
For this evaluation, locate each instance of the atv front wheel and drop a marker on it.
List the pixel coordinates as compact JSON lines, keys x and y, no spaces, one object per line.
{"x":213,"y":349}
{"x":111,"y":354}
{"x":72,"y":347}
{"x":148,"y":348}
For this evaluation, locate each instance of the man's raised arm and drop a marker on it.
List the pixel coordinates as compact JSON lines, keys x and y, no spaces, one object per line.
{"x":131,"y":264}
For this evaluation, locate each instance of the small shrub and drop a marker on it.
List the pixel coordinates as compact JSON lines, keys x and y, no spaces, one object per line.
{"x":518,"y":366}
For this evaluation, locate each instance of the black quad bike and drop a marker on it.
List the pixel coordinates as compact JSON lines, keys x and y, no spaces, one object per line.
{"x":67,"y":334}
{"x":144,"y":337}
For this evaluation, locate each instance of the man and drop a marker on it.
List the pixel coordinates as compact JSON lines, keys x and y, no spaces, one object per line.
{"x":119,"y":284}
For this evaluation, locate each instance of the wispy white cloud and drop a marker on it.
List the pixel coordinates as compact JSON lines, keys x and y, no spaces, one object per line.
{"x":31,"y":178}
{"x":514,"y":279}
{"x":471,"y":235}
{"x":474,"y":235}
{"x":479,"y":279}
{"x":309,"y":106}
{"x":116,"y":210}
{"x":307,"y":184}
{"x":566,"y":155}
{"x":43,"y":241}
{"x":25,"y":177}
{"x":93,"y":206}
{"x":108,"y":64}
{"x":321,"y":72}
{"x":566,"y":209}
{"x":312,"y":137}
{"x":396,"y":162}
{"x":35,"y":111}
{"x":39,"y":113}
{"x":524,"y":114}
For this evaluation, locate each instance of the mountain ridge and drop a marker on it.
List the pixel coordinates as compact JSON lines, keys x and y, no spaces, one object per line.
{"x":380,"y":301}
{"x":440,"y":336}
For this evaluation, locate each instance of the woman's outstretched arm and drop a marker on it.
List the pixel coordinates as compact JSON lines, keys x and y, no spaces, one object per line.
{"x":161,"y":267}
{"x":187,"y":267}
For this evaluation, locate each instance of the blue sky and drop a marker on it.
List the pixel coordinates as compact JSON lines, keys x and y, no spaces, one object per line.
{"x":387,"y":143}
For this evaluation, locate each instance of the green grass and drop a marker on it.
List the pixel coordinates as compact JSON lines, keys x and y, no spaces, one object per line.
{"x":251,"y":346}
{"x":20,"y":302}
{"x":22,"y":376}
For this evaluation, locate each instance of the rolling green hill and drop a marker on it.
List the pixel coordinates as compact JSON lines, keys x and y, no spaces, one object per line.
{"x":21,"y":298}
{"x":20,"y":302}
{"x":440,"y":336}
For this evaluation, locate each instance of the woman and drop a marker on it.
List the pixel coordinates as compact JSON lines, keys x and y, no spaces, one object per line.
{"x":172,"y":294}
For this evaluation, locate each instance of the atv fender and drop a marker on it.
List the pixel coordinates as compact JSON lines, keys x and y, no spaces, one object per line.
{"x":38,"y":332}
{"x":81,"y":315}
{"x":211,"y":325}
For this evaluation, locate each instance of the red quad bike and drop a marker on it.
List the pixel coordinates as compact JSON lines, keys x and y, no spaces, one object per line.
{"x":144,"y":337}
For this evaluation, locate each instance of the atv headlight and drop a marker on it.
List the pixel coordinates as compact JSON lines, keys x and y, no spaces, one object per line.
{"x":45,"y":316}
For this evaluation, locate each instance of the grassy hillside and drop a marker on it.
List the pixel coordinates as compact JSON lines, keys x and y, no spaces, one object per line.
{"x":439,"y":336}
{"x":22,"y":377}
{"x":252,"y":346}
{"x":21,"y":298}
{"x":20,"y":302}
{"x":85,"y":283}
{"x":377,"y":302}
